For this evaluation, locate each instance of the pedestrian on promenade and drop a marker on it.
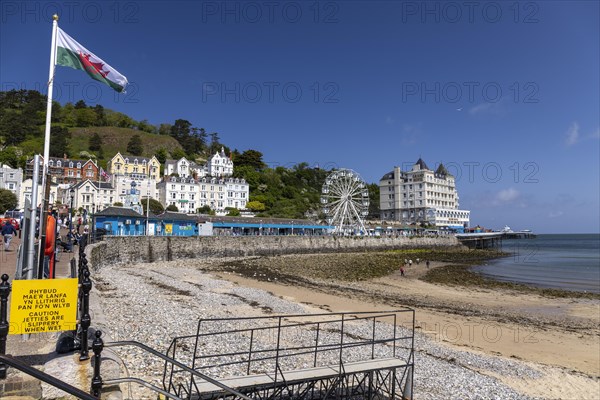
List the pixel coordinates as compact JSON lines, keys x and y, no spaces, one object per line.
{"x":7,"y":232}
{"x":427,"y":263}
{"x":401,"y":271}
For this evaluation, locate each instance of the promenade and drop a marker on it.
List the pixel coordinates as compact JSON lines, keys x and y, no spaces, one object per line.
{"x":8,"y":259}
{"x":38,"y":349}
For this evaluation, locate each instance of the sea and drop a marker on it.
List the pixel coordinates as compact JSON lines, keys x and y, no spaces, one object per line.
{"x":560,"y":261}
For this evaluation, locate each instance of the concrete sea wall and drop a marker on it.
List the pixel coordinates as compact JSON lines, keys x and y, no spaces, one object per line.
{"x":136,"y":249}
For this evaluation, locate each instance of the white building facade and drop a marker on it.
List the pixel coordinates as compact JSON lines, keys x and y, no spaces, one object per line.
{"x":146,"y":186}
{"x":10,"y":179}
{"x":238,"y":192}
{"x":422,"y":196}
{"x":190,"y":186}
{"x":26,"y":189}
{"x":180,"y":192}
{"x":219,"y":164}
{"x":93,"y":196}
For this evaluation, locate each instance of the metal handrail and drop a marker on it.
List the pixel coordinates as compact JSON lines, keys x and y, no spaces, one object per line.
{"x":177,"y":363}
{"x":44,"y":377}
{"x":280,"y":351}
{"x":143,"y":383}
{"x":328,"y":347}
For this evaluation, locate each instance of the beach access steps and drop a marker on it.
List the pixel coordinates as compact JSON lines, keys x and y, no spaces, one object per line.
{"x":308,"y":356}
{"x":320,"y":381}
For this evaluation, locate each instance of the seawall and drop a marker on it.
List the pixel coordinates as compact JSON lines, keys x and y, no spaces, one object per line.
{"x":136,"y":249}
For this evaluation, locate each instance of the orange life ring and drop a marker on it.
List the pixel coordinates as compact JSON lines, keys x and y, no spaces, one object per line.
{"x":50,"y":242}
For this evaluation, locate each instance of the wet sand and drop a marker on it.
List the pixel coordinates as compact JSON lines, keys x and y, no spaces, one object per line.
{"x":554,"y":332}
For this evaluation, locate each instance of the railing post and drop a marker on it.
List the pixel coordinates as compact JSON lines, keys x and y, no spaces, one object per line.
{"x":250,"y":352}
{"x":277,"y":350}
{"x":373,"y":341}
{"x":341,"y":340}
{"x":97,"y":347}
{"x":316,"y":344}
{"x":4,"y":292}
{"x":86,"y":321}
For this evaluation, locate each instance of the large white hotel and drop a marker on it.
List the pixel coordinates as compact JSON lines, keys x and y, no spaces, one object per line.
{"x":423,"y":196}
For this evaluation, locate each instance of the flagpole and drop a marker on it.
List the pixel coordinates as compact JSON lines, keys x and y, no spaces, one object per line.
{"x":45,"y":201}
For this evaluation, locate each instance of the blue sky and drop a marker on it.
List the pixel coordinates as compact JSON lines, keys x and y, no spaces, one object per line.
{"x":505,"y":93}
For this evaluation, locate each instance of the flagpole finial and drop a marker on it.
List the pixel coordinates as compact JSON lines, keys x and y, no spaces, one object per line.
{"x":55,"y":17}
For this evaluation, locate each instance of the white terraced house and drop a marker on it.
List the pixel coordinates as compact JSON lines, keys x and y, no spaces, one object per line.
{"x":10,"y":179}
{"x":219,"y":164}
{"x":214,"y":185}
{"x":185,"y":168}
{"x":180,"y":192}
{"x":422,"y":196}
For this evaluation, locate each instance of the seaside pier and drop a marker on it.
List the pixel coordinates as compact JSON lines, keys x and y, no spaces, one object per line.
{"x":481,"y":240}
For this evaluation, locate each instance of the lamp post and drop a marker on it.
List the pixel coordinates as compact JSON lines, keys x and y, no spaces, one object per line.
{"x":70,"y":235}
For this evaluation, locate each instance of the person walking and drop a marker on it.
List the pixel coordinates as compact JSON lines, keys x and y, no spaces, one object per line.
{"x":7,"y":232}
{"x":402,"y":271}
{"x":427,"y":263}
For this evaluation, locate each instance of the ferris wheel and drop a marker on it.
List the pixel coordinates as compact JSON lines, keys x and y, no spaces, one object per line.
{"x":345,"y":201}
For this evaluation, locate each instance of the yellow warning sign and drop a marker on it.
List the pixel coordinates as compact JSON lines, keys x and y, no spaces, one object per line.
{"x":43,"y":305}
{"x":168,"y":229}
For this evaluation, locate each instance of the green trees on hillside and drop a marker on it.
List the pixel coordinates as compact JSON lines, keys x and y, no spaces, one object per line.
{"x":192,"y":139}
{"x":21,"y":114}
{"x":280,"y":192}
{"x":135,"y":146}
{"x":250,"y":158}
{"x":12,"y":156}
{"x":95,"y":142}
{"x":22,"y":119}
{"x":8,"y":200}
{"x":59,"y":141}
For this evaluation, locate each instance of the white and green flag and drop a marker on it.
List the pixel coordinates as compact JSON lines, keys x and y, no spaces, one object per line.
{"x":69,"y":53}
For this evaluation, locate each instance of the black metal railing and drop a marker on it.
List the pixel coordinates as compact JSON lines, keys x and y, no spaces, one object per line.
{"x":272,"y":344}
{"x":44,"y":377}
{"x":175,"y":363}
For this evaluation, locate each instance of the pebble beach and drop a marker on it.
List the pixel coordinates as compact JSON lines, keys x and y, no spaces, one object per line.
{"x":153,"y":303}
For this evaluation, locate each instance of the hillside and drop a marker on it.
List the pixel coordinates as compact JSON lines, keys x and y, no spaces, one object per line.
{"x":115,"y":140}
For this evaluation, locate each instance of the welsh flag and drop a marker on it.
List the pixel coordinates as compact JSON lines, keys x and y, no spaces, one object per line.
{"x":69,"y":53}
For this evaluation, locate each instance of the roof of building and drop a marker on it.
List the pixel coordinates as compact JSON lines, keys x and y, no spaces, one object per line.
{"x":388,"y":176}
{"x":97,"y":185}
{"x":442,"y":171}
{"x":421,"y":164}
{"x":171,"y":215}
{"x":114,"y":211}
{"x":255,"y":220}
